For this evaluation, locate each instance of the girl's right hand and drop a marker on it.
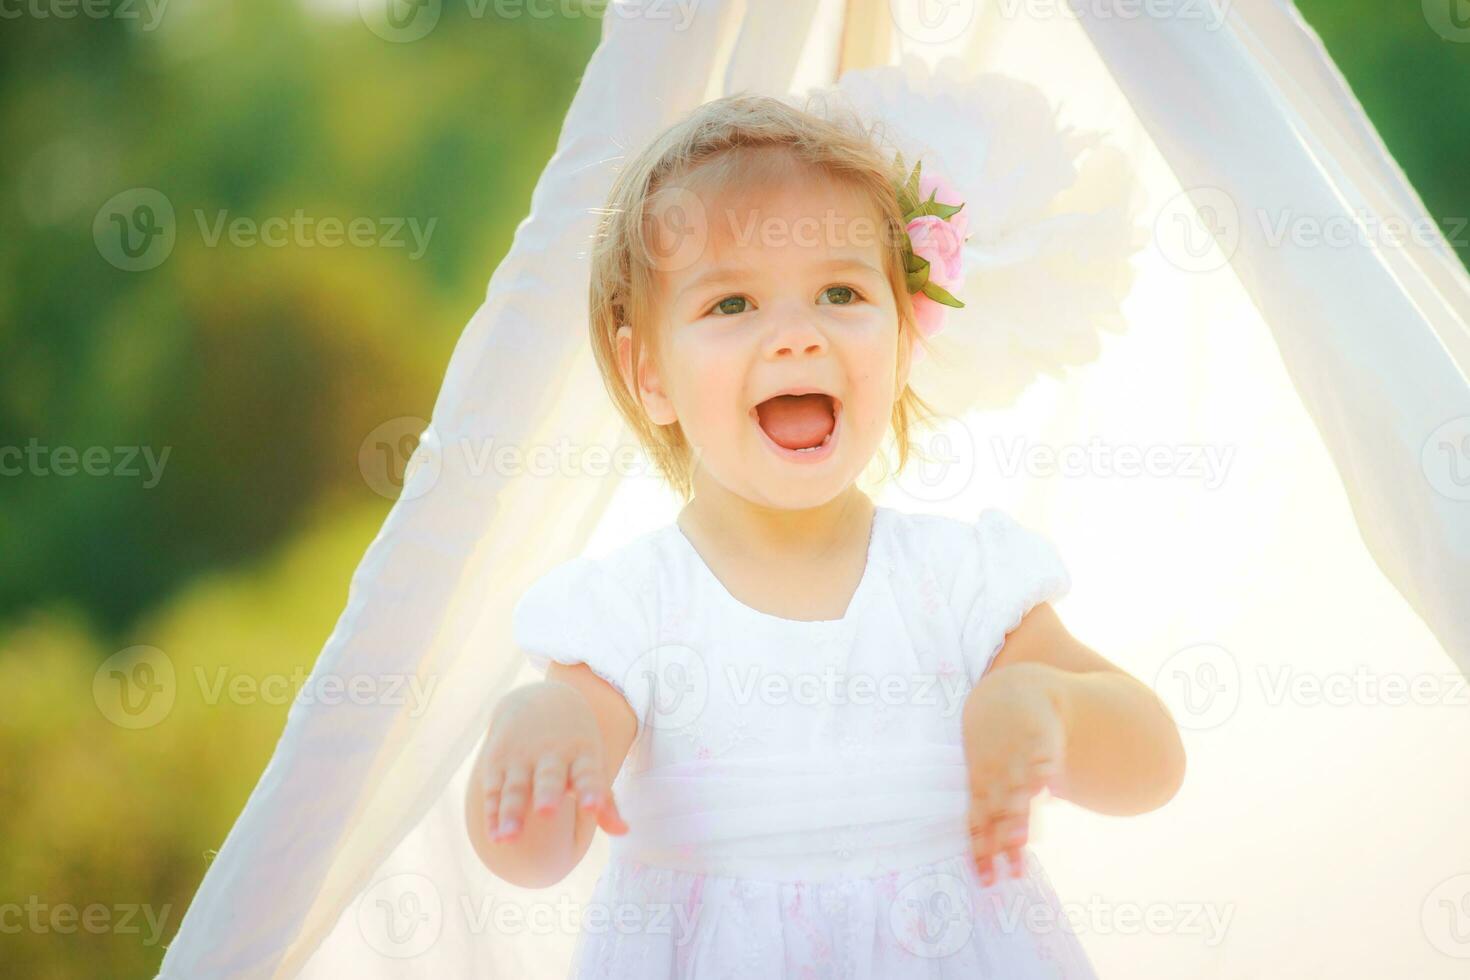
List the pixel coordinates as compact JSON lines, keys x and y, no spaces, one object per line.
{"x":544,"y":743}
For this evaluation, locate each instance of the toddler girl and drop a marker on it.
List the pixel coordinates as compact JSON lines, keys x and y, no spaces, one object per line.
{"x":813,"y":725}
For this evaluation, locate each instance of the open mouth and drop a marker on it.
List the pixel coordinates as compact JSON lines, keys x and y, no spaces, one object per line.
{"x":800,"y":423}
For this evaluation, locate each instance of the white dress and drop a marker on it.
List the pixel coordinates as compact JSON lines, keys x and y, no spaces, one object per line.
{"x":796,"y":793}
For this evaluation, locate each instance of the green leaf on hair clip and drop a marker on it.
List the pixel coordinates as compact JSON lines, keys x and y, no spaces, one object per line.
{"x":917,"y":269}
{"x":931,"y":206}
{"x":938,"y":293}
{"x":908,"y":190}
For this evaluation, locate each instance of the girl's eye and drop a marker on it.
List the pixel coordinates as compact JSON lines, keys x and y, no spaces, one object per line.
{"x":835,"y":296}
{"x":724,"y":307}
{"x":841,"y":295}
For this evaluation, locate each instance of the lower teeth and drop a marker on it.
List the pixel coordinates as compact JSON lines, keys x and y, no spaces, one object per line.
{"x":811,"y":449}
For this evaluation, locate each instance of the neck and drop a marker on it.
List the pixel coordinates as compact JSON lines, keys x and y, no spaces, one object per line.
{"x":734,"y":523}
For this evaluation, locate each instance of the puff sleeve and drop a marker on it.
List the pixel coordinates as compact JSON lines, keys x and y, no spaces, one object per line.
{"x":1006,"y":569}
{"x":580,"y":613}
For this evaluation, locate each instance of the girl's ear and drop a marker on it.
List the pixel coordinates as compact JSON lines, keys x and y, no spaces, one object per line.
{"x":648,"y":389}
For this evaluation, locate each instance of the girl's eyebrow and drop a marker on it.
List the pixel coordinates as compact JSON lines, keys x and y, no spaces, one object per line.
{"x":729,"y":273}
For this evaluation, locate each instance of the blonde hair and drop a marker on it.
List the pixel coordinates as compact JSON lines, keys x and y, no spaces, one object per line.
{"x":723,"y":141}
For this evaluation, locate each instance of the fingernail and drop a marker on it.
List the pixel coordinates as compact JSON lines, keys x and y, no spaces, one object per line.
{"x":590,"y":800}
{"x":509,"y":826}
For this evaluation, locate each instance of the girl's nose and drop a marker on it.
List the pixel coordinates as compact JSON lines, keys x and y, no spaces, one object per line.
{"x":796,"y":334}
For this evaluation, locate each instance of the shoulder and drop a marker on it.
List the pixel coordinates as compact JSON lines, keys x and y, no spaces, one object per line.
{"x":621,"y":575}
{"x":991,"y":567}
{"x":601,"y":611}
{"x":989,"y":570}
{"x":954,"y":545}
{"x":925,"y":537}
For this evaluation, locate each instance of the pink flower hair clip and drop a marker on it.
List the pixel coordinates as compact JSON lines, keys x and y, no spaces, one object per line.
{"x":933,"y":253}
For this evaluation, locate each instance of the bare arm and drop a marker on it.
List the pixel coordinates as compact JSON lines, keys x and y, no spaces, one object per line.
{"x":1123,"y":754}
{"x":542,"y":782}
{"x":1050,"y":712}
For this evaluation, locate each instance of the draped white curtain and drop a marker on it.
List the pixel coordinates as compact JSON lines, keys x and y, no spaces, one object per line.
{"x":1261,"y":487}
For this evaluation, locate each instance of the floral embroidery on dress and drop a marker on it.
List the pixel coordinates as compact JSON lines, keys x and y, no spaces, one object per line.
{"x":930,"y":596}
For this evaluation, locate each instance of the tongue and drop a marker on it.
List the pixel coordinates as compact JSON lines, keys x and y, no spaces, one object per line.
{"x":797,"y":421}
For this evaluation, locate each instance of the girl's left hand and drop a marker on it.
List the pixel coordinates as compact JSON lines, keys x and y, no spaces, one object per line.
{"x":1015,"y":741}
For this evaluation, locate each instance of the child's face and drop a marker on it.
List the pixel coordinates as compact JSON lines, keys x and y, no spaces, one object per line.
{"x":786,"y":292}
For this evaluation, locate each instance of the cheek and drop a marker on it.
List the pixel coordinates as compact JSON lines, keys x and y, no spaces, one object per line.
{"x":873,"y":366}
{"x":710,"y":387}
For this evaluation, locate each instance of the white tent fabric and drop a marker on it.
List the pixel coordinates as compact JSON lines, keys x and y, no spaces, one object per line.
{"x":1261,"y":488}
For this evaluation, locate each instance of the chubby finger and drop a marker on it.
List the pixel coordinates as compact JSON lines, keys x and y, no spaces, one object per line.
{"x":1003,"y":830}
{"x":1011,"y":833}
{"x":982,"y":849}
{"x":513,"y":793}
{"x":588,"y":781}
{"x":987,"y":801}
{"x":494,"y":777}
{"x":1016,"y":859}
{"x":987,"y":798}
{"x":608,"y":817}
{"x":549,"y":784}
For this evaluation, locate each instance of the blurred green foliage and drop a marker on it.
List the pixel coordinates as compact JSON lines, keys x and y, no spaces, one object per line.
{"x":1410,"y":79}
{"x":262,"y":370}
